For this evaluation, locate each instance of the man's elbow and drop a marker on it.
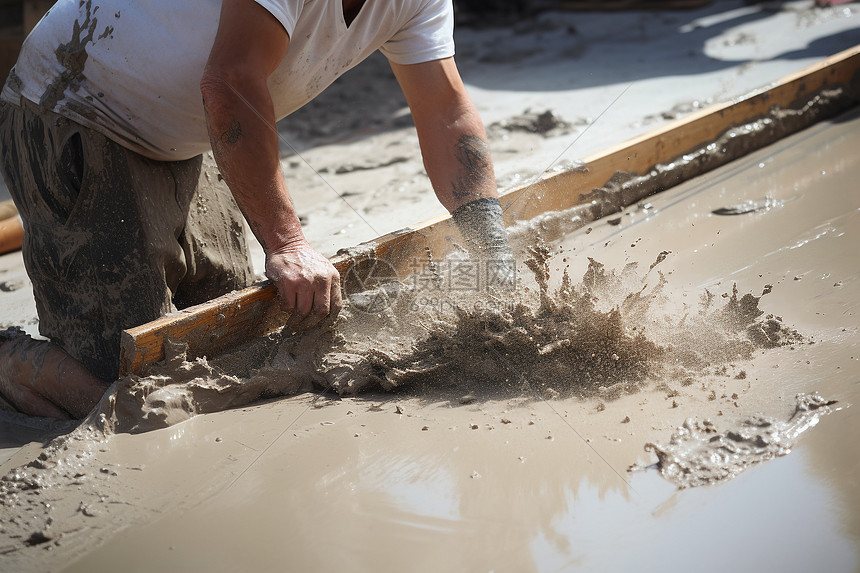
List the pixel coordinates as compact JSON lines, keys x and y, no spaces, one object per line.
{"x":221,"y":90}
{"x":216,"y":91}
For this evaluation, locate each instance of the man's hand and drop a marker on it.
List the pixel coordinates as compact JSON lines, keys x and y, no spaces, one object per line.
{"x":308,"y":284}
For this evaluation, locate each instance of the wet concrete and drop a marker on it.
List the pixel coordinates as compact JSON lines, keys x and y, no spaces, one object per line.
{"x":420,"y":482}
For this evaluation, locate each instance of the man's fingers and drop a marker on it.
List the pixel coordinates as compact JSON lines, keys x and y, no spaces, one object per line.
{"x":335,"y":303}
{"x":336,"y":297}
{"x":293,"y":308}
{"x":287,"y":296}
{"x":302,"y":319}
{"x":304,"y":302}
{"x":321,"y":305}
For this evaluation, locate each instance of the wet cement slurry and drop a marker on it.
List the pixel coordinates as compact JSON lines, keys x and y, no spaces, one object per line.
{"x":393,"y":482}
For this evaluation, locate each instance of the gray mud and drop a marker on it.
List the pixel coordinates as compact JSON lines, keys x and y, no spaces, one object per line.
{"x":700,"y":453}
{"x":607,"y":335}
{"x":544,"y":123}
{"x":426,"y":465}
{"x":178,"y":389}
{"x":490,"y":340}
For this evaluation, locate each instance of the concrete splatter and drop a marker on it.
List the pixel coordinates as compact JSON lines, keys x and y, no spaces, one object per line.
{"x":699,"y":453}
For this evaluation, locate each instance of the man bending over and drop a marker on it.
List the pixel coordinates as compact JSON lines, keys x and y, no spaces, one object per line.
{"x":107,"y":122}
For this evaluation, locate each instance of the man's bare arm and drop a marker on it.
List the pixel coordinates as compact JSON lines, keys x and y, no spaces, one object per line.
{"x":248,"y":47}
{"x":450,"y":131}
{"x":456,"y":154}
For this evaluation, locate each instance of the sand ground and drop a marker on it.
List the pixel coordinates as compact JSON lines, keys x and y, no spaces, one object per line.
{"x":308,"y":483}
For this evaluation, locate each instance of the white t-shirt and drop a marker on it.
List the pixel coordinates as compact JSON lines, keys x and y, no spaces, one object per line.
{"x":132,"y":69}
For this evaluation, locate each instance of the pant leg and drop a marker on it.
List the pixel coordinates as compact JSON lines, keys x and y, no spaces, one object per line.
{"x":105,"y":240}
{"x":214,"y":243}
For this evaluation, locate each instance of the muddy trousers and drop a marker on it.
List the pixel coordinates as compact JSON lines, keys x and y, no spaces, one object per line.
{"x":113,"y":239}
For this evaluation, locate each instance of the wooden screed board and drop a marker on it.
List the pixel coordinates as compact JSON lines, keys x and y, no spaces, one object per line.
{"x":218,"y":325}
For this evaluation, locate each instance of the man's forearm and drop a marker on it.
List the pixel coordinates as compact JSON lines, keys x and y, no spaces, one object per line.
{"x":249,"y":46}
{"x":457,"y":157}
{"x":473,"y":168}
{"x":245,"y":144}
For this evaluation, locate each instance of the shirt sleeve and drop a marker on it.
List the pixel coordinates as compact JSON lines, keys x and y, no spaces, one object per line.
{"x":427,"y":36}
{"x":286,"y":11}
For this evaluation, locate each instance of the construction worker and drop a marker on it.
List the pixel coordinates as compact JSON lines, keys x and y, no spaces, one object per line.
{"x":135,"y":135}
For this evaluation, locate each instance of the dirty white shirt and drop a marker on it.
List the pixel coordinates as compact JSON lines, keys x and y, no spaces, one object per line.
{"x":132,"y":70}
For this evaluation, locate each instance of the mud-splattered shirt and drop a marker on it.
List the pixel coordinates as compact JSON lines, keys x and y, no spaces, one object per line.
{"x":132,"y":70}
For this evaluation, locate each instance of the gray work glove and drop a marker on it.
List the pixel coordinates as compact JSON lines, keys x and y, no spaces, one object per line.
{"x":481,"y":224}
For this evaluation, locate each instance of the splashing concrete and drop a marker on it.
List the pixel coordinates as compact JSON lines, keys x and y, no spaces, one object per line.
{"x":699,"y":453}
{"x":605,"y":336}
